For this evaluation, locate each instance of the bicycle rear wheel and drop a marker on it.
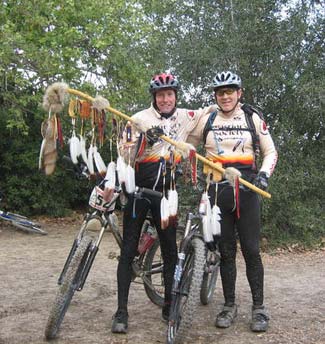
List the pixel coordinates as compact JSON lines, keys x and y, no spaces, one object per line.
{"x":153,"y":277}
{"x":210,"y":276}
{"x":187,"y":298}
{"x":67,"y":288}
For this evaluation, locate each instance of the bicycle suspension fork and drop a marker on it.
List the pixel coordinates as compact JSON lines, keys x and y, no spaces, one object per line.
{"x":181,"y":255}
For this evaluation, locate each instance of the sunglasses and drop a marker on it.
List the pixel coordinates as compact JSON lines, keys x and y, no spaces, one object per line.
{"x":227,"y":91}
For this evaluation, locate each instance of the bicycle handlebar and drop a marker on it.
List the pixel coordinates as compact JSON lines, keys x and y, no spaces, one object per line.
{"x":150,"y":192}
{"x":81,"y":170}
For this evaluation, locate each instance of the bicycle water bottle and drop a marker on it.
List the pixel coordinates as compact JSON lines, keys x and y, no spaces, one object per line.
{"x":147,"y":238}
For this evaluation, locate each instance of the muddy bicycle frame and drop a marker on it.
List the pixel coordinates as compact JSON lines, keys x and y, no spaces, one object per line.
{"x":107,"y":219}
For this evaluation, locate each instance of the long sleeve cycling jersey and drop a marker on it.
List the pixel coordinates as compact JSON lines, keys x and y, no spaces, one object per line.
{"x":148,"y":161}
{"x":230,"y":143}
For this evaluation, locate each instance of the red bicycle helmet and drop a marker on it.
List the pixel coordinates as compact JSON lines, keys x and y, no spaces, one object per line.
{"x":161,"y":81}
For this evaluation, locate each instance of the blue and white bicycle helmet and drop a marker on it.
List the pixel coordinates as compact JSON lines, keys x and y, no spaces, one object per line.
{"x":224,"y":79}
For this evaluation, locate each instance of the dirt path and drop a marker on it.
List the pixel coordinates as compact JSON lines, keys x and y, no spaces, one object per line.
{"x":30,"y":264}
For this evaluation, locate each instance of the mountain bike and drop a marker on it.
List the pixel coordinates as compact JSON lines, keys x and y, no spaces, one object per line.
{"x":194,"y":279}
{"x":100,"y":218}
{"x":21,"y":222}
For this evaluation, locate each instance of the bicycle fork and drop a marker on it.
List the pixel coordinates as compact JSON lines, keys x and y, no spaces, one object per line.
{"x":73,"y":249}
{"x":89,"y":256}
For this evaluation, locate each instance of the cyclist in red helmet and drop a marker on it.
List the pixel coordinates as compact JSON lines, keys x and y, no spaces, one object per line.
{"x":153,"y":168}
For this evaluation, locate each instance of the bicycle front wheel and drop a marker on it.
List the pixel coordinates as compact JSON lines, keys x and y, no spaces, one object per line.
{"x":67,"y":288}
{"x":187,"y":298}
{"x":153,"y":277}
{"x":210,"y":276}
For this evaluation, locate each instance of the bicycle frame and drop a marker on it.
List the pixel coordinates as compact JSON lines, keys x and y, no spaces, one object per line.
{"x":21,"y":222}
{"x":106,"y":221}
{"x":188,"y":235}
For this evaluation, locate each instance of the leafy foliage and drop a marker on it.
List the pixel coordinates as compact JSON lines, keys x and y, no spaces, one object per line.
{"x":113,"y":48}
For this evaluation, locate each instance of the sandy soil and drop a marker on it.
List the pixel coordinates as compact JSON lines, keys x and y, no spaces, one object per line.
{"x":30,"y":265}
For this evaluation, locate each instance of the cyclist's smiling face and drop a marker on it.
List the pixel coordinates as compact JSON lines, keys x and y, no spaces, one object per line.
{"x":166,"y":100}
{"x":227,"y":98}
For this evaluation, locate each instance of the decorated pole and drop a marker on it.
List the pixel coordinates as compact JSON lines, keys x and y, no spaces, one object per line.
{"x":165,"y":138}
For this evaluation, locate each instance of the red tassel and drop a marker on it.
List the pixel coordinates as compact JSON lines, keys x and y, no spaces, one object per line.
{"x":141,"y":146}
{"x":60,"y":135}
{"x":193,"y":162}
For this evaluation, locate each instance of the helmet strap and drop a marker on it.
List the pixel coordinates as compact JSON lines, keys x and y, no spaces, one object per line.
{"x":162,"y":114}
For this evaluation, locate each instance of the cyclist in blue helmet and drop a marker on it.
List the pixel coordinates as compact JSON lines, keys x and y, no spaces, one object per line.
{"x":233,"y":137}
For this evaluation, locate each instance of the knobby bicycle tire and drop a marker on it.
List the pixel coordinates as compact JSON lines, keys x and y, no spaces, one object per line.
{"x":209,"y":283}
{"x":67,"y":289}
{"x":153,"y":266}
{"x":187,"y":299}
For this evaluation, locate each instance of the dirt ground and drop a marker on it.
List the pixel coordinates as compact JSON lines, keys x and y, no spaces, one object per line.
{"x":30,"y":265}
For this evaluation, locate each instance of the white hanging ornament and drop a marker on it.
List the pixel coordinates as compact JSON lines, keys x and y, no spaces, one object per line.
{"x":215,"y":221}
{"x":110,"y":180}
{"x":206,"y":213}
{"x":91,"y":160}
{"x":130,"y":180}
{"x":99,"y":162}
{"x":74,"y":146}
{"x":83,"y":150}
{"x":173,"y":205}
{"x":207,"y":234}
{"x":204,"y":203}
{"x":164,"y":212}
{"x":121,"y":169}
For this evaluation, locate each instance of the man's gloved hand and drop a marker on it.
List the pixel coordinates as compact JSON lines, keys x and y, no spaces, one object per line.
{"x":261,"y":180}
{"x":153,"y":135}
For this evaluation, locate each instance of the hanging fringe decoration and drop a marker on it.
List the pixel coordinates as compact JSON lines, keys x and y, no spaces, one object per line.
{"x":110,"y":181}
{"x":100,"y":103}
{"x":185,"y":149}
{"x":164,"y":203}
{"x":99,"y":162}
{"x":130,"y":180}
{"x":205,"y":211}
{"x":215,"y":219}
{"x":54,"y":100}
{"x":193,"y":164}
{"x":83,"y":150}
{"x":121,"y":169}
{"x":74,"y":144}
{"x":54,"y":97}
{"x":84,"y":109}
{"x":232,"y":175}
{"x":48,"y":152}
{"x":173,"y":206}
{"x":172,"y":192}
{"x":91,"y":160}
{"x":59,"y":130}
{"x":164,"y":212}
{"x":130,"y":177}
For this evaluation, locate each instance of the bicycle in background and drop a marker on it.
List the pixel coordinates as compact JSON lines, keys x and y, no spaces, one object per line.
{"x":195,"y":279}
{"x":100,"y":218}
{"x":21,"y":222}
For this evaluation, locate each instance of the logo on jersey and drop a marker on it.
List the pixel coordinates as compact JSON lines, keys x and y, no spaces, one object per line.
{"x":264,"y":128}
